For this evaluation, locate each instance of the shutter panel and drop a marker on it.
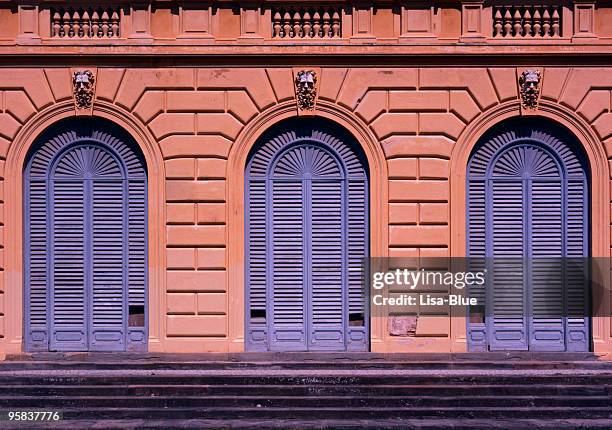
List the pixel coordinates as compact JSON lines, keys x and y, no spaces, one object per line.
{"x":477,"y":334}
{"x":257,"y":336}
{"x":546,"y":280}
{"x":327,"y":299}
{"x":37,"y":337}
{"x":108,"y":266}
{"x":357,"y":251}
{"x":69,"y":330}
{"x":288,"y":283}
{"x":576,"y":268}
{"x":508,"y":320}
{"x":137,"y":265}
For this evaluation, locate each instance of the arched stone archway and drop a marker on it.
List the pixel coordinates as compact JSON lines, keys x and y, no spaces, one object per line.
{"x":14,"y":216}
{"x":378,"y":203}
{"x":528,"y":227}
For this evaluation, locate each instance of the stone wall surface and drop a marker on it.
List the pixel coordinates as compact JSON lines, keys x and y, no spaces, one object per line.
{"x":417,"y":85}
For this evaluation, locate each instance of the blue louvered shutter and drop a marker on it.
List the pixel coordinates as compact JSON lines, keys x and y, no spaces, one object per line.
{"x":288,"y":266}
{"x":137,"y":262}
{"x":546,"y":266}
{"x":68,"y":267}
{"x":257,"y":265}
{"x":109,"y":271}
{"x":328,"y":269}
{"x":508,"y":320}
{"x":576,"y":267}
{"x":477,"y":227}
{"x":357,"y":225}
{"x":37,"y":238}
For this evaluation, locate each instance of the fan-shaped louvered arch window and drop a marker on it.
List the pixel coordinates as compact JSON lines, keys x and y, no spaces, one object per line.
{"x":85,"y":242}
{"x":528,"y":201}
{"x":307,"y":236}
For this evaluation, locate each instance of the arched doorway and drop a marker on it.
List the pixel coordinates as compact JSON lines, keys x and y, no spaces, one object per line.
{"x":85,"y":258}
{"x":528,"y":226}
{"x":306,"y":203}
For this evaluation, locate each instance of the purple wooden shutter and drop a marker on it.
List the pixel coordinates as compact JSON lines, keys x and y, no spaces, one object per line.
{"x":306,"y":239}
{"x":68,"y":267}
{"x":81,"y":187}
{"x":527,"y":208}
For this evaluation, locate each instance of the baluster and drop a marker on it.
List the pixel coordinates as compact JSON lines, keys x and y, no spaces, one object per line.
{"x":115,"y":24}
{"x":527,"y":25}
{"x":66,"y":25}
{"x":316,"y":27}
{"x":297,"y":25}
{"x":105,"y":24}
{"x":498,"y":25}
{"x":287,"y":25}
{"x":56,"y":25}
{"x":507,"y":23}
{"x":74,"y":23}
{"x":546,"y":25}
{"x":276,"y":27}
{"x":86,"y":25}
{"x":95,"y":24}
{"x":336,"y":25}
{"x":306,"y":24}
{"x":555,"y":23}
{"x":326,"y":24}
{"x":537,"y":23}
{"x":518,"y":28}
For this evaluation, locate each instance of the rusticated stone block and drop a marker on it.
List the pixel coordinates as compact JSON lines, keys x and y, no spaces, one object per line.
{"x":179,"y":190}
{"x":433,"y":213}
{"x":420,"y":101}
{"x":197,"y":325}
{"x":180,"y":258}
{"x":8,"y":126}
{"x":402,"y":325}
{"x":212,"y":303}
{"x":254,"y":81}
{"x":195,"y":281}
{"x":19,"y":105}
{"x":137,"y":81}
{"x":504,"y":81}
{"x":108,"y":81}
{"x":463,"y":106}
{"x":218,"y":123}
{"x":172,"y":123}
{"x":594,"y":104}
{"x":446,"y":124}
{"x":149,"y":106}
{"x":411,"y":146}
{"x":420,"y":235}
{"x":181,"y":303}
{"x":418,"y":191}
{"x":241,"y":106}
{"x":476,"y":81}
{"x":395,"y":123}
{"x":402,"y":168}
{"x":180,"y":168}
{"x":60,"y":82}
{"x":195,"y":146}
{"x":210,"y":168}
{"x":196,"y":101}
{"x":282,"y":83}
{"x":201,"y":235}
{"x":180,"y":213}
{"x":373,"y":104}
{"x":211,"y":213}
{"x":403,"y":213}
{"x":211,"y":258}
{"x":433,"y":168}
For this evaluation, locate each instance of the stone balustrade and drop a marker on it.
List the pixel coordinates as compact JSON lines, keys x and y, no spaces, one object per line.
{"x":527,"y":21}
{"x":306,"y":23}
{"x":84,"y":23}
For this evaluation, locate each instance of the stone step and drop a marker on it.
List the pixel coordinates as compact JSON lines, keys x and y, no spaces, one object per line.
{"x":324,"y":413}
{"x":359,"y":365}
{"x":270,"y":401}
{"x":303,"y":378}
{"x":308,"y":390}
{"x":336,"y":424}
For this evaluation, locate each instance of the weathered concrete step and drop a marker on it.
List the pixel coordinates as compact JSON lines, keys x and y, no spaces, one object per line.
{"x":302,"y":378}
{"x":370,"y":364}
{"x":323,"y":413}
{"x":348,"y":424}
{"x":308,"y":390}
{"x":247,"y":401}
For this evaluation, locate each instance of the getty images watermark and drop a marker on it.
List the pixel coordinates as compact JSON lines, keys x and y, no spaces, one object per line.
{"x":420,"y":281}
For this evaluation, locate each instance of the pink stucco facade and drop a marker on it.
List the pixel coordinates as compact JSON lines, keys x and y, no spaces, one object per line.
{"x":416,"y":86}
